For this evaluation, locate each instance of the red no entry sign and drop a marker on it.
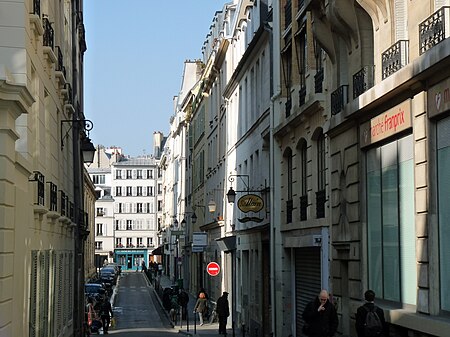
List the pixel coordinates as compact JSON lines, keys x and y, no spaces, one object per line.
{"x":213,"y":268}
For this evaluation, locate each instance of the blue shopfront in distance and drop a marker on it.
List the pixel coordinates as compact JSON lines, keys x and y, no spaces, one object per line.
{"x":131,"y":259}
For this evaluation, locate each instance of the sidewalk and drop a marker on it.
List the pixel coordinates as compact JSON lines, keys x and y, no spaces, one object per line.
{"x":192,"y":327}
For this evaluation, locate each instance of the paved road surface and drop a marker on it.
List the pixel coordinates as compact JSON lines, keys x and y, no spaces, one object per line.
{"x":137,"y":311}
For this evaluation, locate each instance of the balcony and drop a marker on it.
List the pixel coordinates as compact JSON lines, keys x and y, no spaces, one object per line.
{"x":119,"y":245}
{"x":434,"y":29}
{"x":339,"y":98}
{"x":53,"y":197}
{"x":395,"y":58}
{"x":39,"y":178}
{"x":63,"y":203}
{"x":60,"y":64}
{"x":363,"y":80}
{"x":37,"y":7}
{"x":318,"y":81}
{"x":289,"y":210}
{"x":49,"y":39}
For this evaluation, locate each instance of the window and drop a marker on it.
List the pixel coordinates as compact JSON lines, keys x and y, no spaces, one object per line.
{"x":100,"y":211}
{"x":149,"y":242}
{"x":149,"y":210}
{"x":150,"y":191}
{"x":390,"y":221}
{"x":149,"y":174}
{"x":139,"y":174}
{"x":118,"y":174}
{"x":117,"y":222}
{"x":98,"y":179}
{"x":139,"y":242}
{"x":98,"y":245}
{"x":302,"y":153}
{"x":139,"y":191}
{"x":159,"y":188}
{"x":129,"y":176}
{"x":129,"y":242}
{"x":119,"y":208}
{"x":99,"y":230}
{"x":159,"y":205}
{"x":443,"y":186}
{"x":119,"y":243}
{"x":129,"y":225}
{"x":321,"y":175}
{"x":139,"y":207}
{"x":129,"y":191}
{"x":119,"y":191}
{"x":288,"y":187}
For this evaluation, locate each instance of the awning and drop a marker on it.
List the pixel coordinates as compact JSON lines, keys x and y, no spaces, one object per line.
{"x":227,"y":243}
{"x":158,"y":251}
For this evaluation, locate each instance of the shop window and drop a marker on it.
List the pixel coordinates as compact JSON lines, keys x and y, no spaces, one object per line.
{"x":390,"y":221}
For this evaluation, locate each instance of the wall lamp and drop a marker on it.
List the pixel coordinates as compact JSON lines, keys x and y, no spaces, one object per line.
{"x":211,"y":209}
{"x":231,"y":194}
{"x":87,"y":148}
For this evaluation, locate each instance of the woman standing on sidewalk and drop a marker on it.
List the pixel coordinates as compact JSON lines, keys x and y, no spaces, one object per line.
{"x":201,"y":306}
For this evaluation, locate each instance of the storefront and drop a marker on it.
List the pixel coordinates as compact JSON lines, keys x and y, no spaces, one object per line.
{"x":388,"y":146}
{"x":131,"y":259}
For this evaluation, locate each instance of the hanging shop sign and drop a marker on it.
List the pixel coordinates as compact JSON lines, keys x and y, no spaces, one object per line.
{"x":250,"y":203}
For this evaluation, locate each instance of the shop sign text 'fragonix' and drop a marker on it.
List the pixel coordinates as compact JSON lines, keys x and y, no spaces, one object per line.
{"x":389,"y":123}
{"x":250,"y":203}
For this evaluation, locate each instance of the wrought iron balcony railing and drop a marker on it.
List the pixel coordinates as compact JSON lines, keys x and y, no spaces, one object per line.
{"x":53,"y":197}
{"x":63,"y":203}
{"x":37,"y":7}
{"x":320,"y":204}
{"x":288,"y":106}
{"x":318,"y":81}
{"x":303,"y":207}
{"x":60,"y":66}
{"x":289,"y":210}
{"x":302,"y":95}
{"x":363,"y":80}
{"x":287,"y":14}
{"x":39,"y":178}
{"x":339,"y":98}
{"x":48,"y":33}
{"x":434,"y":29}
{"x":395,"y":58}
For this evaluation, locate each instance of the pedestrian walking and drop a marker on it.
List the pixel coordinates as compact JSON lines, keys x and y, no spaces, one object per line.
{"x":201,"y":306}
{"x":320,"y":317}
{"x":370,"y":320}
{"x":106,"y":314}
{"x":223,"y":311}
{"x":183,"y":300}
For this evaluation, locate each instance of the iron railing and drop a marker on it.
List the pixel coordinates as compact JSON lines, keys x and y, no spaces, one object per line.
{"x":60,"y":66}
{"x":363,"y":80}
{"x":339,"y":98}
{"x":320,"y":204}
{"x":68,"y":88}
{"x":39,"y":178}
{"x":53,"y":197}
{"x":288,"y":106}
{"x":395,"y":58}
{"x":434,"y":29}
{"x":49,"y":34}
{"x":318,"y":81}
{"x":302,"y":95}
{"x":71,"y":211}
{"x":303,"y":207}
{"x":63,"y":203}
{"x":289,"y":210}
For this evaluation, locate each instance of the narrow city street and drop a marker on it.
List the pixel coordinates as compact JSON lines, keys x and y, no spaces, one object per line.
{"x":137,"y":311}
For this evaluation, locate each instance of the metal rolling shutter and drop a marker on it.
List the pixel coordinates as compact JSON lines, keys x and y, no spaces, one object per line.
{"x":307,"y":280}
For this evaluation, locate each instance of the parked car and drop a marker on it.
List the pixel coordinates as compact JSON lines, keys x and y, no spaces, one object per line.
{"x":95,"y":291}
{"x":107,"y":275}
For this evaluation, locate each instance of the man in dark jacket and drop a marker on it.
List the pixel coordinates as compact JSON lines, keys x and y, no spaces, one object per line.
{"x":223,"y":311}
{"x":321,"y":317}
{"x":106,"y":314}
{"x":362,"y":312}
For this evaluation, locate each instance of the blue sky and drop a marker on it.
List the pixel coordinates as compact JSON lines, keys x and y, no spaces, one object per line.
{"x":134,"y":63}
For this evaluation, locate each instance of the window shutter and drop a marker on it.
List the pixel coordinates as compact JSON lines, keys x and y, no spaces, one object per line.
{"x":401,"y":32}
{"x":133,"y":191}
{"x":145,"y":208}
{"x":134,"y":174}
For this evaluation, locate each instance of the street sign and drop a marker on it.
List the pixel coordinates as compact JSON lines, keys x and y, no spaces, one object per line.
{"x":213,"y":268}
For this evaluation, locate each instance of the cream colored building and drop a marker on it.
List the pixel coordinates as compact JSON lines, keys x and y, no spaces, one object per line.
{"x":42,"y":210}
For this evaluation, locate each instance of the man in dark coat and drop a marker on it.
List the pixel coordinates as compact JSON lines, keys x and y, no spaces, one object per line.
{"x":183,"y":300}
{"x":362,"y":312}
{"x":321,"y":317}
{"x":223,"y":311}
{"x":106,"y":314}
